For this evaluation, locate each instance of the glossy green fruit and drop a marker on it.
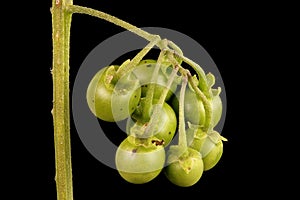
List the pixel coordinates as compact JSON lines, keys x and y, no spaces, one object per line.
{"x":112,"y":101}
{"x":217,"y":108}
{"x":194,"y":109}
{"x":140,"y":161}
{"x":213,"y":156}
{"x":185,"y":170}
{"x":210,"y":145}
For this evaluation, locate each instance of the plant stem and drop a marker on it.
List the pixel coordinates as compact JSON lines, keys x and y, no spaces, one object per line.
{"x":201,"y":75}
{"x":152,"y":85}
{"x":135,"y":61}
{"x":182,"y":135}
{"x":175,"y":48}
{"x":181,"y":69}
{"x":61,"y":22}
{"x":198,"y":91}
{"x":165,"y":91}
{"x":205,"y":101}
{"x":112,"y":19}
{"x":159,"y":107}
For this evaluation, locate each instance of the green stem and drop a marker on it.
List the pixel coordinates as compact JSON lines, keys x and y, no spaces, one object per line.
{"x":203,"y":85}
{"x":134,"y":62}
{"x":158,"y":108}
{"x":182,"y":70}
{"x":151,"y":87}
{"x":199,"y":93}
{"x":112,"y":19}
{"x":182,"y":134}
{"x":61,"y":22}
{"x":165,"y":91}
{"x":175,"y":48}
{"x":205,"y":101}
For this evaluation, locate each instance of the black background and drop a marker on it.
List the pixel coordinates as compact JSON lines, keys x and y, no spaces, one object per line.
{"x":235,"y":36}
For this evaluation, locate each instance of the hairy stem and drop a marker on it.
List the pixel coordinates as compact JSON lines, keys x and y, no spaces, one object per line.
{"x":181,"y":69}
{"x":198,"y":91}
{"x":175,"y":48}
{"x":182,"y":134}
{"x":112,"y":19}
{"x":205,"y":101}
{"x":158,"y":108}
{"x":201,"y":75}
{"x":61,"y":22}
{"x":168,"y":86}
{"x":151,"y":86}
{"x":135,"y":61}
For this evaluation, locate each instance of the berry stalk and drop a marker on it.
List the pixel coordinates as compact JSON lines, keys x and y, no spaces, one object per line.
{"x":182,"y":134}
